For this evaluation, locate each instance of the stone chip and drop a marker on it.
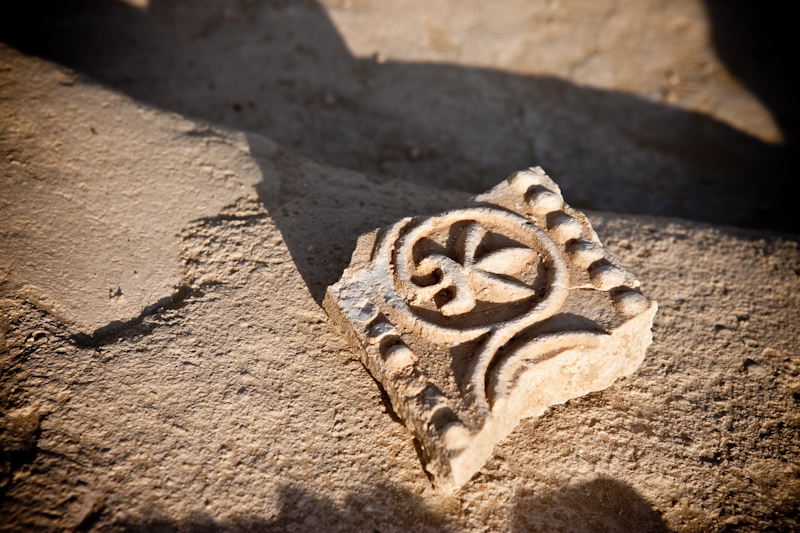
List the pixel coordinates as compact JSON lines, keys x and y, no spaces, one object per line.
{"x":479,"y":317}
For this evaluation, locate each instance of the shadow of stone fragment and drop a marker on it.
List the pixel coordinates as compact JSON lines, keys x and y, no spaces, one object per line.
{"x":321,"y":211}
{"x":603,"y":504}
{"x":302,"y":511}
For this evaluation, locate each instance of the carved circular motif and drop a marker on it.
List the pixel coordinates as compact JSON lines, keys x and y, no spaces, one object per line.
{"x":465,"y":272}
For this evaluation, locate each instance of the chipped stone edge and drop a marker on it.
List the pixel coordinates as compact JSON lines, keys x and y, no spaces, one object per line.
{"x":451,"y":452}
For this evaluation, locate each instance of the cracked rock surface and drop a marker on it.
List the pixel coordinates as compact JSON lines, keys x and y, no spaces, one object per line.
{"x":95,"y":188}
{"x":224,"y":399}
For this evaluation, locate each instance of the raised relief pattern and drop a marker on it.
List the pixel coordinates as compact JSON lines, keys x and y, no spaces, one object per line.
{"x":476,"y":318}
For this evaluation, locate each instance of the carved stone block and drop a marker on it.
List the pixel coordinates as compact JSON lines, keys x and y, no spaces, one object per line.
{"x":476,"y":318}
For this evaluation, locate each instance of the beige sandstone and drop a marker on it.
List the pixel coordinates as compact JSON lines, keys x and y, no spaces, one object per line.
{"x":478,"y":317}
{"x":229,"y":402}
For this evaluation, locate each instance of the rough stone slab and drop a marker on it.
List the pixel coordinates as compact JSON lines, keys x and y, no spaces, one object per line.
{"x":95,"y":187}
{"x":479,"y":317}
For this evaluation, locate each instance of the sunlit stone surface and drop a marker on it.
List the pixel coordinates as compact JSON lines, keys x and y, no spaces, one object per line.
{"x":479,"y":317}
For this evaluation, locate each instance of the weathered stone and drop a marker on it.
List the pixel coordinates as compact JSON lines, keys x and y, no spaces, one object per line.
{"x":479,"y":317}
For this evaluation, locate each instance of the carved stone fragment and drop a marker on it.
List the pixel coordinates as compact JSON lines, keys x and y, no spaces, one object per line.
{"x":476,"y":318}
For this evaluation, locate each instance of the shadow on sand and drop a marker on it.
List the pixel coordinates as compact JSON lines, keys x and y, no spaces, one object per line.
{"x":281,"y":69}
{"x":603,"y":504}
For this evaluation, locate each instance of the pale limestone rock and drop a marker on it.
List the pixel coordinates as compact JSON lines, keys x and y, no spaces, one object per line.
{"x":95,"y":188}
{"x":479,"y":317}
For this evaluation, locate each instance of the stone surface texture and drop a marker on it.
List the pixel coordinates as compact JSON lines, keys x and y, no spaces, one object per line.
{"x":96,"y":188}
{"x":220,"y":397}
{"x":476,"y":318}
